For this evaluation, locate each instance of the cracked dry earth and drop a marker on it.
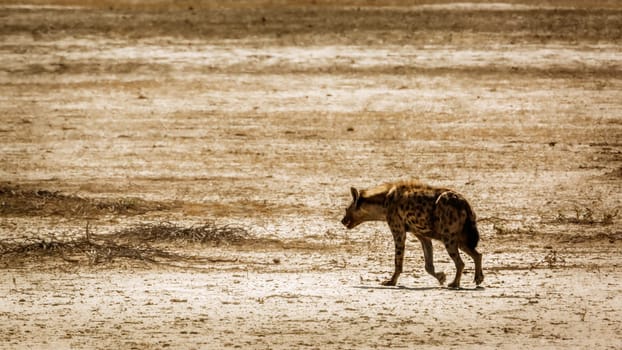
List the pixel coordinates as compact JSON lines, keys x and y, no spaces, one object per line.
{"x":258,"y":117}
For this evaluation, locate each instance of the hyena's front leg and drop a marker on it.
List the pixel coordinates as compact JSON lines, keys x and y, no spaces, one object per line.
{"x":428,"y":254}
{"x":399,"y":238}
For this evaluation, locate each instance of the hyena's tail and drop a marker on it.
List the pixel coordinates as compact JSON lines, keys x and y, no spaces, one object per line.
{"x":470,"y":226}
{"x":470,"y":230}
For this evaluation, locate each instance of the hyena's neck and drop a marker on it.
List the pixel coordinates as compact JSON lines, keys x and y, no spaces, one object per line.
{"x":376,"y":195}
{"x":375,"y":205}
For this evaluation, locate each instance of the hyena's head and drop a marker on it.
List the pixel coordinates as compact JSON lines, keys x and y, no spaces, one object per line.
{"x":367,"y":205}
{"x":364,"y":207}
{"x":353,"y":215}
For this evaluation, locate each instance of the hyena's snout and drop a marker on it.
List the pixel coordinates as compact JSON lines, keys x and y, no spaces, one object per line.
{"x":345,"y":221}
{"x":349,"y":222}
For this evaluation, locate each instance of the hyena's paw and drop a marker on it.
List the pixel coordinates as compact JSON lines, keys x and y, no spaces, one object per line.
{"x":440,"y":276}
{"x":479,"y":278}
{"x":389,"y":282}
{"x":454,"y":285}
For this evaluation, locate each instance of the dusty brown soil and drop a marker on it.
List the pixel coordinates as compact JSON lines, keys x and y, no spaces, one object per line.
{"x":238,"y":129}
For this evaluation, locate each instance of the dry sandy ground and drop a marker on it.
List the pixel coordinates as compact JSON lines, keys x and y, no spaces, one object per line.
{"x":120,"y":114}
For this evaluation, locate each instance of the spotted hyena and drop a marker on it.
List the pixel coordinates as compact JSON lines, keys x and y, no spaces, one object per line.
{"x":426,"y":211}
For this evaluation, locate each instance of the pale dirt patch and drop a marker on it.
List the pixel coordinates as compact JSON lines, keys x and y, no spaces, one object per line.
{"x":338,"y":307}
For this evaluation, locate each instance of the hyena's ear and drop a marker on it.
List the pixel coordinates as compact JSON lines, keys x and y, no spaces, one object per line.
{"x":356,"y":197}
{"x":355,"y":194}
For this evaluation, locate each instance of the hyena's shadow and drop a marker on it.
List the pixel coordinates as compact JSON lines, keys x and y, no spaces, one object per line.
{"x":421,"y":289}
{"x":396,"y":288}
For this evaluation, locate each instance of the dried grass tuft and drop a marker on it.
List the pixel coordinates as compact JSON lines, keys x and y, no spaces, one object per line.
{"x":586,"y":216}
{"x":208,"y":233}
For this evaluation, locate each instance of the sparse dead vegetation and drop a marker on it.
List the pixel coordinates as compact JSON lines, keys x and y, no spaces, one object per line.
{"x":586,"y":216}
{"x":152,"y":243}
{"x":135,"y":243}
{"x":551,"y":260}
{"x":82,"y":250}
{"x":18,"y":201}
{"x":502,"y":230}
{"x":207,"y":233}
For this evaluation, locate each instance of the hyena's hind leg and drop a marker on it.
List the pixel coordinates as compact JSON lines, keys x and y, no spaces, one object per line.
{"x":477,"y":259}
{"x":428,"y":254}
{"x":452,"y":248}
{"x":450,"y":218}
{"x":456,"y":224}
